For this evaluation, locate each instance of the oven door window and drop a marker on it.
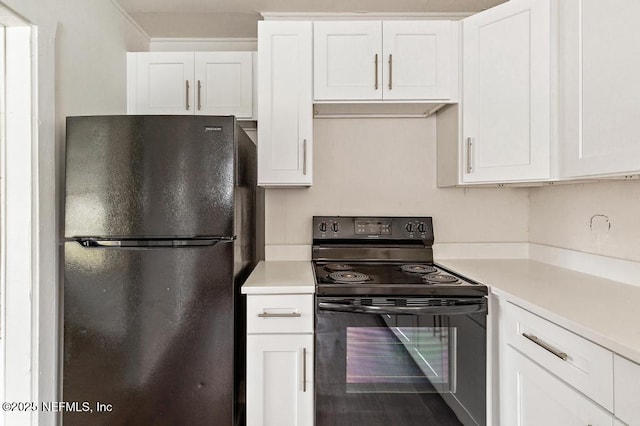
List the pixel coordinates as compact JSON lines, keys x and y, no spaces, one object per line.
{"x":409,"y":354}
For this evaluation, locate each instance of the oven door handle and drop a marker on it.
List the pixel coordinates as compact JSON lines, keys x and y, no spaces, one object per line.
{"x":462,"y":309}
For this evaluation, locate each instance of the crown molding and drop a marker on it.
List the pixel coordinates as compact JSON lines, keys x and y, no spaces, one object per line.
{"x":204,"y":39}
{"x":319,"y":16}
{"x":129,"y":18}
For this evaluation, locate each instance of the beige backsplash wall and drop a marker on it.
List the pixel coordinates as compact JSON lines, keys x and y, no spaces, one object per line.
{"x":388,"y":167}
{"x":600,"y":218}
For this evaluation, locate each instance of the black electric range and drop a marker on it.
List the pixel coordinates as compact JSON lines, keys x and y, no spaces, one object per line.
{"x":398,"y":339}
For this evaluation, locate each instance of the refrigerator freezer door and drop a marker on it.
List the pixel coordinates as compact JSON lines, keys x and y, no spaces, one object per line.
{"x":149,"y":176}
{"x":149,"y":331}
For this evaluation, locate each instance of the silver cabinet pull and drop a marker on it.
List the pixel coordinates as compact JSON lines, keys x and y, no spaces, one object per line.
{"x":187,"y":93}
{"x":376,"y":72}
{"x":563,"y":356}
{"x":469,"y":156}
{"x":199,"y":87}
{"x":287,"y":315}
{"x":304,"y":157}
{"x":304,"y":369}
{"x":390,"y":71}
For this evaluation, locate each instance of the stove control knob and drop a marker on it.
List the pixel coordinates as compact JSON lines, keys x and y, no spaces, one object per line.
{"x":409,"y":227}
{"x":422,"y":227}
{"x":323,"y":227}
{"x":335,"y":227}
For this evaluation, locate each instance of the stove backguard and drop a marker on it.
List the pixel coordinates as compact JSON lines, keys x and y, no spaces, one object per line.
{"x":368,"y":238}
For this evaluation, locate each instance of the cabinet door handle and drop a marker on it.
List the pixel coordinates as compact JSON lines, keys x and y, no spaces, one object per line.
{"x":304,"y":157}
{"x":199,"y":87}
{"x":562,"y":355}
{"x":390,"y":71}
{"x":187,"y":93}
{"x":469,"y":156}
{"x":286,"y":315}
{"x":304,"y":369}
{"x":375,"y":71}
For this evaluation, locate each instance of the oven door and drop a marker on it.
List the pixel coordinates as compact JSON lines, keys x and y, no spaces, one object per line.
{"x":400,"y":361}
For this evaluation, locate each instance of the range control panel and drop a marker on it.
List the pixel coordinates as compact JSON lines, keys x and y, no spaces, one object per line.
{"x":372,"y":228}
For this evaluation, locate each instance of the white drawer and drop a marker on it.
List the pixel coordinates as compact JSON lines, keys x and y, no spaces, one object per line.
{"x":276,"y":313}
{"x":586,"y":366}
{"x":627,"y":390}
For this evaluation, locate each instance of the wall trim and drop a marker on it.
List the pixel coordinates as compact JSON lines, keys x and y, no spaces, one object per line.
{"x":20,"y":237}
{"x":130,"y":18}
{"x":611,"y":268}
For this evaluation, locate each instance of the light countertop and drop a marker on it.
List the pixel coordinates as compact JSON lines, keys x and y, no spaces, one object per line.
{"x":280,"y":277}
{"x":603,"y":311}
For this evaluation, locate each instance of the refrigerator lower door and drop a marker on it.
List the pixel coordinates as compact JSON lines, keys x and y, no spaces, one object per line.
{"x":149,"y":335}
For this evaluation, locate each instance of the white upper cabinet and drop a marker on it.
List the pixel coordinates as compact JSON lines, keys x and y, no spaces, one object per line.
{"x":417,"y":60}
{"x":285,"y":129}
{"x":506,"y":104}
{"x":384,"y":60}
{"x":223,"y":83}
{"x":188,"y":83}
{"x":600,"y":90}
{"x":160,"y":83}
{"x":347,"y":60}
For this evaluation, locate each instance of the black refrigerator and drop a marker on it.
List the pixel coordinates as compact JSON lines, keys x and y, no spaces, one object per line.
{"x":163,"y":222}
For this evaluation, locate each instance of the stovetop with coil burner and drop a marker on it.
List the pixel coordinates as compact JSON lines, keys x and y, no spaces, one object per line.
{"x":382,"y":256}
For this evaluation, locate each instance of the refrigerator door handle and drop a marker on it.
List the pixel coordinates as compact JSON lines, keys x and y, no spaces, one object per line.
{"x":163,"y":243}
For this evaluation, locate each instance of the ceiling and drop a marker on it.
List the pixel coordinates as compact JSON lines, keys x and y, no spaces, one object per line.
{"x":237,"y":18}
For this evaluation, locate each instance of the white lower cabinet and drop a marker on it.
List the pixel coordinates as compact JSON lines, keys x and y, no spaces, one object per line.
{"x":280,"y":360}
{"x":626,"y":380}
{"x":532,"y":396}
{"x":551,"y":376}
{"x":279,"y":379}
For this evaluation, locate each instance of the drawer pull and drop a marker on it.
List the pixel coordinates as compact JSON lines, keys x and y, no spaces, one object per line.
{"x":289,"y":315}
{"x":563,"y":356}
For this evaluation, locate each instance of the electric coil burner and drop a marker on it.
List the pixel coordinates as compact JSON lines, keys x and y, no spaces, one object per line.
{"x":348,"y":277}
{"x":418,"y":269}
{"x":334,"y":267}
{"x":398,"y":338}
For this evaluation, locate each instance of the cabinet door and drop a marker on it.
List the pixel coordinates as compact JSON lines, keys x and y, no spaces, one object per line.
{"x":417,"y":59}
{"x":279,"y":379}
{"x":224,"y":83}
{"x":347,"y":60}
{"x":506,"y":93}
{"x":285,"y":130}
{"x":164,"y":83}
{"x":626,"y":381}
{"x":600,"y":59}
{"x":531,"y":396}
